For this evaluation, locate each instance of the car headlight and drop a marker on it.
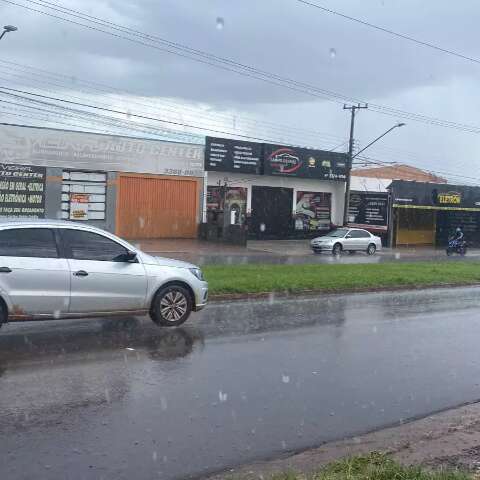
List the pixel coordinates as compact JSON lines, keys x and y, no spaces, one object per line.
{"x":198,"y":273}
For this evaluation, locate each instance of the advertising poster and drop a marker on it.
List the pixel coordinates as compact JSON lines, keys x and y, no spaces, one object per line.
{"x":304,"y":163}
{"x":235,"y":201}
{"x":22,"y":191}
{"x":79,"y":206}
{"x":313,"y":211}
{"x":368,"y":210}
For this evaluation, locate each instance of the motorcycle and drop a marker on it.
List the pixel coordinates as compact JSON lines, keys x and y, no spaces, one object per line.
{"x":456,"y":246}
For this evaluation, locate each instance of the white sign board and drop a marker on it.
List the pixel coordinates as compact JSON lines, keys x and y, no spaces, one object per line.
{"x":89,"y":151}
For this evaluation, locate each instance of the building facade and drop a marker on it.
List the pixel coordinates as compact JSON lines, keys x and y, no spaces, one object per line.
{"x":134,"y":187}
{"x":279,"y":191}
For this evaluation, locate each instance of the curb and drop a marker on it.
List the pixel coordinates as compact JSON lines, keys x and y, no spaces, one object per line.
{"x":230,"y":297}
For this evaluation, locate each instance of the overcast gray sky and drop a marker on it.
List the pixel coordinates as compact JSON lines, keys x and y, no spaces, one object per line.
{"x":280,"y":36}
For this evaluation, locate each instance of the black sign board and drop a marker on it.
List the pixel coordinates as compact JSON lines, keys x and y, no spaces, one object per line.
{"x":434,"y":196}
{"x":368,"y":209}
{"x":224,"y":155}
{"x":22,"y":191}
{"x":305,"y":163}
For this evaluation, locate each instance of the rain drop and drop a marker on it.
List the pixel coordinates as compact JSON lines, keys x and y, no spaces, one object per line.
{"x":285,"y":379}
{"x":333,"y":53}
{"x":154,"y":456}
{"x":163,"y":403}
{"x":222,"y":396}
{"x":56,"y":314}
{"x":220,"y":23}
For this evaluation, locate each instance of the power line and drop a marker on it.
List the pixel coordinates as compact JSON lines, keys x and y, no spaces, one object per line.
{"x":278,"y":129}
{"x":377,"y":162}
{"x":230,"y":65}
{"x":390,"y":32}
{"x":119,"y":112}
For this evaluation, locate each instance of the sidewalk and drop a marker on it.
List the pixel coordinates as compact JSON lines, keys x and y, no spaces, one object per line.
{"x":448,"y":439}
{"x":279,"y":252}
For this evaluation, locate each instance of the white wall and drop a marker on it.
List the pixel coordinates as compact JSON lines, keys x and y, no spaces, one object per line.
{"x":337,"y":189}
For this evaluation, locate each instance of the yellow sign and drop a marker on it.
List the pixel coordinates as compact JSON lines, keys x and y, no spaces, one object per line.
{"x":450,"y":198}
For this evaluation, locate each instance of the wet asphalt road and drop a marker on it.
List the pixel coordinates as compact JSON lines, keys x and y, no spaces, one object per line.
{"x":307,"y":257}
{"x":109,"y":399}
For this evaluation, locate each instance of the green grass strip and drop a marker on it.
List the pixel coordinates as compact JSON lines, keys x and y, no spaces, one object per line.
{"x":374,"y":467}
{"x":243,"y":279}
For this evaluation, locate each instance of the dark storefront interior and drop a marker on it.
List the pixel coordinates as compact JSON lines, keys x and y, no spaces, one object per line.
{"x":271,"y":207}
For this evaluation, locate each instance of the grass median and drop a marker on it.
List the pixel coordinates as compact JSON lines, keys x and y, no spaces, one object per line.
{"x":374,"y":467}
{"x":254,"y":279}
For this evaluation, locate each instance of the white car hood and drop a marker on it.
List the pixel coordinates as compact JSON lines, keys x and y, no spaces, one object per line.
{"x":167,"y":262}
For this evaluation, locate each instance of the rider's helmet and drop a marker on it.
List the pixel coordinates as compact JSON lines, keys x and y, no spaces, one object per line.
{"x":458,"y":230}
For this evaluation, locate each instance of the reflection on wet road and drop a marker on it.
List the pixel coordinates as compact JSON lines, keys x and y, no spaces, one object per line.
{"x":110,"y":399}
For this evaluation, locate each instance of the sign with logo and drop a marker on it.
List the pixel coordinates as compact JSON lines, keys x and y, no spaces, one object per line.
{"x":304,"y":163}
{"x":449,"y":198}
{"x":434,"y":196}
{"x":79,"y":206}
{"x":368,"y":210}
{"x":224,"y":155}
{"x":22,"y":191}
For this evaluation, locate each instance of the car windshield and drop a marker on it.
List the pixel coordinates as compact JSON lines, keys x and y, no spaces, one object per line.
{"x":341,"y":232}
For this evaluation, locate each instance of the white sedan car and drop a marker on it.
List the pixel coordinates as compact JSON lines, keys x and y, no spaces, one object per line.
{"x":348,"y":240}
{"x":55,"y":269}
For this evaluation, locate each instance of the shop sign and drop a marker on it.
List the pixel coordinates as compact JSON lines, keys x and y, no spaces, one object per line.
{"x":304,"y":163}
{"x":89,"y":151}
{"x":79,"y":206}
{"x":313,"y":211}
{"x":449,"y":198}
{"x":225,"y":155}
{"x":368,"y":210}
{"x":22,"y":191}
{"x":434,"y":196}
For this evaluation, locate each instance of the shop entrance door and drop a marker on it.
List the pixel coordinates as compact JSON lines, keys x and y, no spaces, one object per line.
{"x":272,"y":207}
{"x":415,"y":226}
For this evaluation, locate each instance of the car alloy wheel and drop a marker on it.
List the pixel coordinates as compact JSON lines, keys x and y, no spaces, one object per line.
{"x":172,"y":306}
{"x":371,"y":249}
{"x":337,"y":249}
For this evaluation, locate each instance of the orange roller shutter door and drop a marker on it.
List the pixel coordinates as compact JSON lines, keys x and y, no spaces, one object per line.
{"x":150,"y":206}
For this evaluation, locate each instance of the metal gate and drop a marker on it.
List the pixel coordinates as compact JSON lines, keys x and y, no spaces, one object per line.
{"x":151,"y":206}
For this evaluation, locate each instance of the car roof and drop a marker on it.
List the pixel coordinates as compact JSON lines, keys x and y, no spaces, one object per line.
{"x":6,"y":222}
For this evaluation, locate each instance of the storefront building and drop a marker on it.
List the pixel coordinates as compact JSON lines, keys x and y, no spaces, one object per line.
{"x":133,"y":187}
{"x":279,"y":191}
{"x":428,"y":213}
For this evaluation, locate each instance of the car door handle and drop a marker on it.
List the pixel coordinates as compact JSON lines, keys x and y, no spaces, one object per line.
{"x":81,"y":273}
{"x":5,"y":270}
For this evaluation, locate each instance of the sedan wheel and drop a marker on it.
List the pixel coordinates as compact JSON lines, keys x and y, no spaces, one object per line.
{"x":337,"y":249}
{"x":371,"y":249}
{"x":172,"y":306}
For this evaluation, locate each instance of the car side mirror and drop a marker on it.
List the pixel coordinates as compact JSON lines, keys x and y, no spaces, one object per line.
{"x":131,"y":257}
{"x":128,"y":257}
{"x":348,"y":236}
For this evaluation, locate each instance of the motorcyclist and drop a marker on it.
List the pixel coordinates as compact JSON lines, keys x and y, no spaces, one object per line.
{"x":459,"y":235}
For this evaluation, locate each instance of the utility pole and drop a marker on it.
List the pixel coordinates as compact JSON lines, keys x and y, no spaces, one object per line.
{"x":353,"y":110}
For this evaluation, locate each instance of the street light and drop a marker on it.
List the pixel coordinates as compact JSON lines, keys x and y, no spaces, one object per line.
{"x":347,"y":189}
{"x":8,"y":29}
{"x":398,"y":125}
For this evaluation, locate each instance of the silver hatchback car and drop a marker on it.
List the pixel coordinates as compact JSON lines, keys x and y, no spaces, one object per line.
{"x":348,"y":240}
{"x":55,"y":269}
